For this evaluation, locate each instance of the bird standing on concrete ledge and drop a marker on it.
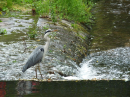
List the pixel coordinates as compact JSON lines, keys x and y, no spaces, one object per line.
{"x":38,"y":54}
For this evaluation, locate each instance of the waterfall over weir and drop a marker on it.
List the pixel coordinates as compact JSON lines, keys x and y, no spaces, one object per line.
{"x":110,"y":64}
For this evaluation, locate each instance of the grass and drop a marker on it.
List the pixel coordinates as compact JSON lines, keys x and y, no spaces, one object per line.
{"x":3,"y":31}
{"x":46,"y":27}
{"x":32,"y":34}
{"x":15,"y":7}
{"x":74,"y":10}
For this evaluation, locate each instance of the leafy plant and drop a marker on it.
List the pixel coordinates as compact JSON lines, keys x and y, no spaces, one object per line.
{"x":5,"y":9}
{"x":28,"y":1}
{"x":32,"y":34}
{"x":14,"y":61}
{"x":46,"y":27}
{"x":64,"y":46}
{"x":42,"y":7}
{"x":3,"y":31}
{"x":9,"y":3}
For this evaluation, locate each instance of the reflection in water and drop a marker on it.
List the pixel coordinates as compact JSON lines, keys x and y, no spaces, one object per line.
{"x":66,"y":89}
{"x":2,"y":89}
{"x":26,"y":87}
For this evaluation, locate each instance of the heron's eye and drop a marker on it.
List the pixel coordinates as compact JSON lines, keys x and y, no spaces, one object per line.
{"x":49,"y":30}
{"x":42,"y":49}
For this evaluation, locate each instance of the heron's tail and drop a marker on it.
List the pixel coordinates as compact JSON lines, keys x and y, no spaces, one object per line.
{"x":23,"y":70}
{"x":25,"y":67}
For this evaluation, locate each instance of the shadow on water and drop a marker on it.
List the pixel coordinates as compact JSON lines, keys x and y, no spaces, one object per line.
{"x":65,"y":89}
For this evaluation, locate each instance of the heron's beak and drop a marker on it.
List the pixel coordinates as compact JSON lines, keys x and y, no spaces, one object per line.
{"x":51,"y":30}
{"x":55,"y":30}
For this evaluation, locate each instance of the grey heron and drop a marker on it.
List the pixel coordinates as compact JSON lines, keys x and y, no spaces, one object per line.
{"x":38,"y":54}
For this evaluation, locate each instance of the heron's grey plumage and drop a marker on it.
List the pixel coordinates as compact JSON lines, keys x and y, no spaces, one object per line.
{"x":35,"y":57}
{"x":38,"y":54}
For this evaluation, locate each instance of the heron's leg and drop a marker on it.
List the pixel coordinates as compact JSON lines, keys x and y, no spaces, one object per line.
{"x":40,"y":71}
{"x":36,"y":71}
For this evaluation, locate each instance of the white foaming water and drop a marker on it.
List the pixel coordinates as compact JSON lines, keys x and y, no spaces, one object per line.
{"x":90,"y":72}
{"x":87,"y":71}
{"x":111,"y":64}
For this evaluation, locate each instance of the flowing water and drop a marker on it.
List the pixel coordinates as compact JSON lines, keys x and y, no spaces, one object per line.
{"x":109,"y":48}
{"x":15,"y":48}
{"x":110,"y":43}
{"x":109,"y":56}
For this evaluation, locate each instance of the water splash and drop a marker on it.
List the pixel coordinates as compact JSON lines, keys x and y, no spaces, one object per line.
{"x":111,"y":64}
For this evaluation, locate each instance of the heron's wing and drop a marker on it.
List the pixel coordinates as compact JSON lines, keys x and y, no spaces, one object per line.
{"x":36,"y":53}
{"x":35,"y":57}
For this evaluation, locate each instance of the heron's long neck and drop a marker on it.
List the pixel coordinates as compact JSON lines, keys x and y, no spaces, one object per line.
{"x":46,"y":45}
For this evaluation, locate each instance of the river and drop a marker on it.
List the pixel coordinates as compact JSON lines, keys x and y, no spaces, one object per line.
{"x":108,"y":59}
{"x":110,"y":43}
{"x":109,"y":48}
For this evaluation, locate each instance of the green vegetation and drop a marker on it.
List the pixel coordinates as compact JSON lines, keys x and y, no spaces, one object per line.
{"x":3,"y":31}
{"x":46,"y":27}
{"x":78,"y":11}
{"x":74,"y":10}
{"x":14,"y":61}
{"x":9,"y":3}
{"x":32,"y":34}
{"x":13,"y":5}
